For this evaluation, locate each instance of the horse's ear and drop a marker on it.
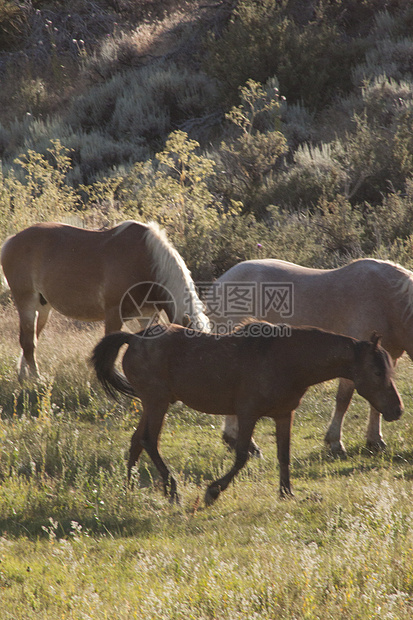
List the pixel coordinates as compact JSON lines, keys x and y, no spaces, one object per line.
{"x":186,"y":320}
{"x":375,"y":339}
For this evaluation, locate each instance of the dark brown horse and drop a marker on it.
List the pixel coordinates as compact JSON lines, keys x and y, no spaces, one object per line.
{"x":89,"y":275}
{"x":259,"y":370}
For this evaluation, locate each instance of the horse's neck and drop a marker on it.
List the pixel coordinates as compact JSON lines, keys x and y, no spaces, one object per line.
{"x":332,"y":356}
{"x":399,"y":313}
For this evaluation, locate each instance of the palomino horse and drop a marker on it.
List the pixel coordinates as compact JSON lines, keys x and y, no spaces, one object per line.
{"x":364,"y":296}
{"x":258,"y":370}
{"x":92,"y":275}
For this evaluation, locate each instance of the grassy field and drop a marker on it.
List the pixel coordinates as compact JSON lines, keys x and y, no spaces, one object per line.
{"x":75,"y":542}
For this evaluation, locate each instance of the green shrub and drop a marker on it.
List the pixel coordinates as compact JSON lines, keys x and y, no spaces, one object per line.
{"x":340,"y":227}
{"x":173,"y":190}
{"x":257,"y":146}
{"x":117,"y":123}
{"x":403,"y":143}
{"x":312,"y":63}
{"x":42,"y":193}
{"x":377,"y":153}
{"x":392,"y":219}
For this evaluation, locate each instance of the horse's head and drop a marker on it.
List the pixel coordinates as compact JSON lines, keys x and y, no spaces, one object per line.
{"x":374,"y":378}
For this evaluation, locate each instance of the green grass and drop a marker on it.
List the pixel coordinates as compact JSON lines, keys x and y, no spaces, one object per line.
{"x":75,"y":542}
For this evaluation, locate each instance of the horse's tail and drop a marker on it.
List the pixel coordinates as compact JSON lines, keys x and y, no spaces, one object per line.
{"x":4,"y":285}
{"x":103,"y":361}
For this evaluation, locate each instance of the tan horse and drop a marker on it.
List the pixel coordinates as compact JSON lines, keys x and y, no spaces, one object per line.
{"x":259,"y":370}
{"x":89,"y":275}
{"x":354,"y":300}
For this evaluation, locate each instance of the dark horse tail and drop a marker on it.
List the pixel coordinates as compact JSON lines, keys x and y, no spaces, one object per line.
{"x":103,"y":361}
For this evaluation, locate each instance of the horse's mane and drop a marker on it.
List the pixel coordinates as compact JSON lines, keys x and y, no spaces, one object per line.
{"x":171,"y":272}
{"x":246,"y":323}
{"x":401,"y":284}
{"x":404,"y":289}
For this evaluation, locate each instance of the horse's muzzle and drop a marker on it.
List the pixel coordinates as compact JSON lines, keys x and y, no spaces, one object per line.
{"x":394,"y":413}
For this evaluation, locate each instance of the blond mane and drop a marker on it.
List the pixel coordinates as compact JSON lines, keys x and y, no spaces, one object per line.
{"x":400,"y":281}
{"x":171,"y":272}
{"x":403,"y":288}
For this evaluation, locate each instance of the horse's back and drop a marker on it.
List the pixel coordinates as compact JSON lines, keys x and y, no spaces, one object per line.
{"x":274,"y":270}
{"x":221,"y":374}
{"x":42,"y":247}
{"x":266,"y":269}
{"x":345,"y":300}
{"x":74,"y":269}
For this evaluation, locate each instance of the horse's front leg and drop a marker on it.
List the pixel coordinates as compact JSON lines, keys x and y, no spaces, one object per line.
{"x":333,"y":435}
{"x":375,"y":439}
{"x":246,"y":428}
{"x":113,"y":320}
{"x":283,"y":432}
{"x":230,"y":435}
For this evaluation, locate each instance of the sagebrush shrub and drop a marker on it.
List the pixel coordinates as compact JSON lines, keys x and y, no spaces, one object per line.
{"x":144,"y":105}
{"x":297,"y":124}
{"x":313,"y":174}
{"x":13,"y":18}
{"x":390,"y":58}
{"x":95,"y":154}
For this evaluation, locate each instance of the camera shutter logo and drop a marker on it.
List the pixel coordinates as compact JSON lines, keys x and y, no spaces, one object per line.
{"x":150,"y":303}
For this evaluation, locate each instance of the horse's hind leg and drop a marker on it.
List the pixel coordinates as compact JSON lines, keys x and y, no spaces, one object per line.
{"x":42,"y":316}
{"x":246,"y":428}
{"x":28,"y":321}
{"x":33,"y":318}
{"x":147,"y":435}
{"x":333,"y":435}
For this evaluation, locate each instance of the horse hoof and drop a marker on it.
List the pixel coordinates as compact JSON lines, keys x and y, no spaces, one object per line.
{"x":377,"y":445}
{"x":211,"y":495}
{"x":337,"y":450}
{"x":253,"y":449}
